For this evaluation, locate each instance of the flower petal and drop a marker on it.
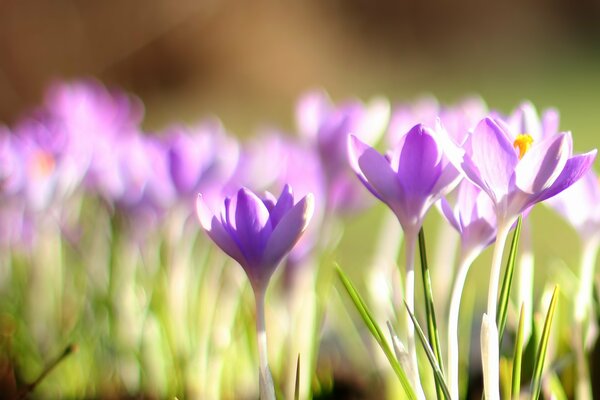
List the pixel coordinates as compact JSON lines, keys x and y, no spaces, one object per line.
{"x":217,"y":232}
{"x":252,"y":226}
{"x":542,"y":164}
{"x":283,"y":205}
{"x":374,"y":171}
{"x":287,"y":232}
{"x":495,"y":158}
{"x":419,"y":165}
{"x":574,"y":169}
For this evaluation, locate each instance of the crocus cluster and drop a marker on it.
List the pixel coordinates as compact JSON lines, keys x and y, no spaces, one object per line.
{"x":480,"y":168}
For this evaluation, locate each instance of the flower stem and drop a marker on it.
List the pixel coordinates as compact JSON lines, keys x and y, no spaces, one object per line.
{"x":581,"y":313}
{"x":409,"y":295}
{"x":266,"y":387}
{"x":489,"y":337}
{"x":459,"y":283}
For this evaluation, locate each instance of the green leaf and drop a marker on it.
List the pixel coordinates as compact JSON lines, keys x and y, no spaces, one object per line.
{"x":377,"y":333}
{"x":297,"y":386}
{"x":517,"y":357}
{"x":507,"y":281}
{"x":543,"y":347}
{"x":432,"y":330}
{"x":437,"y":371}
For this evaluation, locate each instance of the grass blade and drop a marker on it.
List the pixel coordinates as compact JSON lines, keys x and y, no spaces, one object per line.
{"x":437,"y":371}
{"x":507,"y":281}
{"x":432,"y":330}
{"x":543,"y":347}
{"x":376,"y":332}
{"x":297,"y":385}
{"x":517,"y":357}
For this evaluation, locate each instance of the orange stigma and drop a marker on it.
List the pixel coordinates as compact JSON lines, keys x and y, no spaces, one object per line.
{"x":523,"y":143}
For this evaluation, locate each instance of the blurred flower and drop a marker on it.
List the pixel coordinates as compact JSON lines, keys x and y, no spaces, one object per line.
{"x":472,"y":214}
{"x":201,"y":158}
{"x":257,"y":233}
{"x":326,"y":127}
{"x":410,"y":178}
{"x":458,"y":119}
{"x":580,"y":205}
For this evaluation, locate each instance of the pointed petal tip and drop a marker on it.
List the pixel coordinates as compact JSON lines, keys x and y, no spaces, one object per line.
{"x":203,"y":213}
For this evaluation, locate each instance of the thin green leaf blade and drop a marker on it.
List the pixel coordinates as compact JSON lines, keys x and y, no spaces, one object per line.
{"x":517,"y":357}
{"x":507,"y":281}
{"x":437,"y":371}
{"x":434,"y":339}
{"x":297,"y":385}
{"x":543,"y":347}
{"x":376,"y":331}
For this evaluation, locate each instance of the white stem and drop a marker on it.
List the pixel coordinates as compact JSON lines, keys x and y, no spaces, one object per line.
{"x":489,"y":333}
{"x":459,"y":283}
{"x":267,"y":390}
{"x":581,"y":312}
{"x":409,"y":296}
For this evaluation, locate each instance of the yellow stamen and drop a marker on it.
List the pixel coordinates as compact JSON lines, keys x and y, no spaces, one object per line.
{"x":523,"y":143}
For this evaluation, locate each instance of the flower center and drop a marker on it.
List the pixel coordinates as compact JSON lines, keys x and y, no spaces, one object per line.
{"x":42,"y":164}
{"x":523,"y":143}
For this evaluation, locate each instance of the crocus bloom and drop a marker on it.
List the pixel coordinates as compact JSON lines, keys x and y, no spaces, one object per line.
{"x":516,"y":174}
{"x":409,"y":180}
{"x":258,"y":234}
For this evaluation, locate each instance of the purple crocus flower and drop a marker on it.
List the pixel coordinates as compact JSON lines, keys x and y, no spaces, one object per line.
{"x":409,"y":180}
{"x":516,"y":173}
{"x":258,"y":234}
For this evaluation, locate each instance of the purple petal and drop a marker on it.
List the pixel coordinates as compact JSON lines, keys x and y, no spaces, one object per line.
{"x":494,"y":157}
{"x":374,"y":171}
{"x":542,"y":164}
{"x":288,"y":231}
{"x":448,"y":212}
{"x":550,"y":122}
{"x":217,"y":232}
{"x":282,"y":206}
{"x":419,"y":164}
{"x":574,"y":169}
{"x":252,"y":226}
{"x":311,"y":111}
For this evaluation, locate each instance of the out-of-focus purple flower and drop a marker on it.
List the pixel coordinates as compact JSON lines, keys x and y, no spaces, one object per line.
{"x":525,"y":120}
{"x":257,"y":233}
{"x":517,"y":173}
{"x":201,"y":158}
{"x":458,"y":119}
{"x":580,"y":205}
{"x":95,"y":121}
{"x":326,"y":127}
{"x":472,"y":214}
{"x":410,"y":178}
